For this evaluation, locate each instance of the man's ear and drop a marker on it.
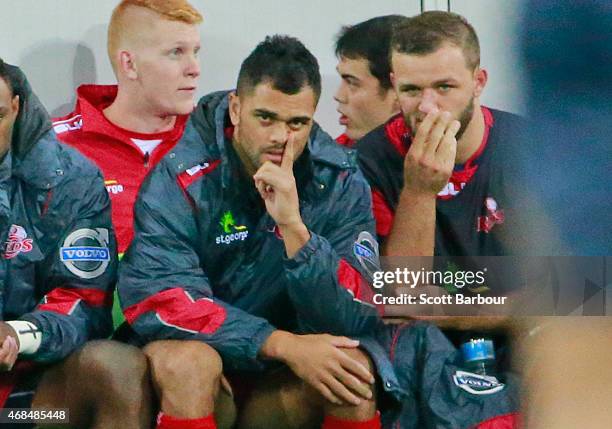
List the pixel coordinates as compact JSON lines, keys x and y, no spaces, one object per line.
{"x":127,"y":65}
{"x":234,"y":108}
{"x":15,"y":105}
{"x":480,"y":81}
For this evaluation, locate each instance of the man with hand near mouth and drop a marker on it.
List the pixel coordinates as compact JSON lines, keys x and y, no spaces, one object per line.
{"x":365,"y":97}
{"x":436,"y":169}
{"x":127,"y":128}
{"x":245,"y":262}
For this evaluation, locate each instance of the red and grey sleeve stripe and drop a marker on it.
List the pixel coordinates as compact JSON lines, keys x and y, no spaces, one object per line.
{"x":352,"y":280}
{"x":64,"y":300}
{"x":177,"y":309}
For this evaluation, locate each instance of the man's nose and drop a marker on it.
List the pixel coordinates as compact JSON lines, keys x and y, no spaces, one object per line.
{"x":280,"y":133}
{"x":428,"y":101}
{"x":193,"y":66}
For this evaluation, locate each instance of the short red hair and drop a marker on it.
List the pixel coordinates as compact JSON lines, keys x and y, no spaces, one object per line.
{"x":173,"y":10}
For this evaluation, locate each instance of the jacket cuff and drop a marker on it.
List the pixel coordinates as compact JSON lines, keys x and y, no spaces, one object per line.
{"x":314,"y":245}
{"x":260,"y":338}
{"x":46,"y":341}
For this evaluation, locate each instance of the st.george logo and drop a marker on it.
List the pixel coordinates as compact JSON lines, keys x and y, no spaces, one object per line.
{"x":17,"y":242}
{"x":232,"y":232}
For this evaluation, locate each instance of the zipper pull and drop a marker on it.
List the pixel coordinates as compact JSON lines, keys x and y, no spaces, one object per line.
{"x":146,"y":159}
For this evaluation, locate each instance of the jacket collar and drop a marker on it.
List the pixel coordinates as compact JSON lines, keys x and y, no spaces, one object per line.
{"x":41,"y":167}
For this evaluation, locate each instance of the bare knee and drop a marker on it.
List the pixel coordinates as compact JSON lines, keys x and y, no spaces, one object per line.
{"x":105,"y":381}
{"x":186,"y":376}
{"x":119,"y":369}
{"x":183,"y":361}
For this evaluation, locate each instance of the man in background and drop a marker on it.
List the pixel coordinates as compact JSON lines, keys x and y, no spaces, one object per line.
{"x":127,"y":128}
{"x":365,"y":97}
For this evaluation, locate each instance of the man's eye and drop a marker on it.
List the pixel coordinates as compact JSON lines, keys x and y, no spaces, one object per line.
{"x":176,"y":52}
{"x":444,"y":88}
{"x":410,"y":91}
{"x":296,"y":125}
{"x":265,"y":119}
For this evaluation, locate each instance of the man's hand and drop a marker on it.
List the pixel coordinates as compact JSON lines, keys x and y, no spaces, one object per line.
{"x":320,"y":361}
{"x":430,"y":160}
{"x":276,"y":185}
{"x":9,"y":348}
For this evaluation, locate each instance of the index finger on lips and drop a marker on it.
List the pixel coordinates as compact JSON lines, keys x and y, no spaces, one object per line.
{"x":288,"y":154}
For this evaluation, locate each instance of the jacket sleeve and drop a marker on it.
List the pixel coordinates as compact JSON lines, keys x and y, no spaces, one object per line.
{"x":79,"y":274}
{"x":163,"y":289}
{"x":330,"y":277}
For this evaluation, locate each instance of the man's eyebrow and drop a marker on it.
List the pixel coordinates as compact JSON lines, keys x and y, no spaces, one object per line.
{"x":445,"y":80}
{"x":409,"y":85}
{"x":271,"y":114}
{"x":275,"y":116}
{"x":349,"y":76}
{"x":300,"y":119}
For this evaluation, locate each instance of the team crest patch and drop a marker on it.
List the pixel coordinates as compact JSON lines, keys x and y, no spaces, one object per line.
{"x":85,"y":252}
{"x":477,"y":384}
{"x":494,"y":216}
{"x":17,"y":242}
{"x":365,"y":250}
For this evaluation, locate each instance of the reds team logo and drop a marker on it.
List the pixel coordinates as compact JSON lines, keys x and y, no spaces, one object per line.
{"x":17,"y":242}
{"x":494,"y":216}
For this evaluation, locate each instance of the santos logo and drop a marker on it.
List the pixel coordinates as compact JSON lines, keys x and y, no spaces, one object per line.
{"x":85,"y":254}
{"x":228,"y":238}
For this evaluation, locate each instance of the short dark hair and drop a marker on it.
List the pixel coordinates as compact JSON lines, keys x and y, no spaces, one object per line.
{"x":4,"y":74}
{"x":370,"y":40}
{"x":425,"y":33}
{"x":284,"y":62}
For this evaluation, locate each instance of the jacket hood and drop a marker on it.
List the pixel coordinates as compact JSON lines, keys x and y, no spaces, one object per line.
{"x":210,"y":118}
{"x":97,"y":96}
{"x":33,"y":121}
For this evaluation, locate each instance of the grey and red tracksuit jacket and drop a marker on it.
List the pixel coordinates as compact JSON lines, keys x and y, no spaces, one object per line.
{"x":122,"y":163}
{"x":207,"y":261}
{"x":58,"y":264}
